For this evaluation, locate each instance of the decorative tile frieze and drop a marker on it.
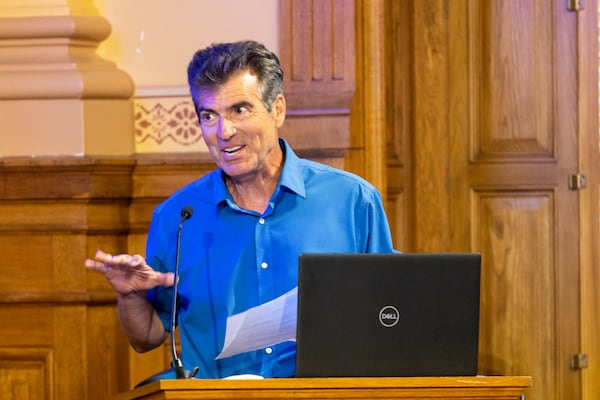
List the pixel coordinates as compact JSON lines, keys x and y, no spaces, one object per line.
{"x":166,"y":124}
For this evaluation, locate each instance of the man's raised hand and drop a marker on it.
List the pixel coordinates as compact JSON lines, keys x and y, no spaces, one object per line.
{"x":127,"y":273}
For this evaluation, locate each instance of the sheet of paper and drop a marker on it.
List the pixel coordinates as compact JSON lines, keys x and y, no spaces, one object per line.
{"x":262,"y":326}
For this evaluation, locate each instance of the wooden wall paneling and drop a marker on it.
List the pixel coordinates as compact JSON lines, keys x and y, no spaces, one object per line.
{"x":26,"y":372}
{"x":565,"y":113}
{"x":54,"y":212}
{"x":71,"y":361}
{"x":398,"y":128}
{"x":107,"y":351}
{"x":517,"y":297}
{"x":518,"y":116}
{"x":587,"y":27}
{"x":368,"y":119}
{"x":493,"y":112}
{"x":27,"y":356}
{"x":355,"y":159}
{"x":107,"y":228}
{"x":430,"y":137}
{"x":461,"y":235}
{"x":317,"y":53}
{"x":513,"y":131}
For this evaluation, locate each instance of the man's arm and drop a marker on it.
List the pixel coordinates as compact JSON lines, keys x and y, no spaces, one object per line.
{"x":140,"y":321}
{"x":131,"y":277}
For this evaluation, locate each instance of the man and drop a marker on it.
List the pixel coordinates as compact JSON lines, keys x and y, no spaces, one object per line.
{"x":253,"y":216}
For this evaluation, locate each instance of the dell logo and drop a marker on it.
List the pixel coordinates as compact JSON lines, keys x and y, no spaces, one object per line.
{"x":389,"y":316}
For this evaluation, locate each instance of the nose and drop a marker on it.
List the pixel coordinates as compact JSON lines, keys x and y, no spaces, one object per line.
{"x":226,"y":128}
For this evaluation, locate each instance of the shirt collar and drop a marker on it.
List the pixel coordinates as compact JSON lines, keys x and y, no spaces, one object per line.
{"x":291,"y":176}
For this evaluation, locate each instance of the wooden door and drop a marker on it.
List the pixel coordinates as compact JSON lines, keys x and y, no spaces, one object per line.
{"x":493,"y":130}
{"x":514,"y":147}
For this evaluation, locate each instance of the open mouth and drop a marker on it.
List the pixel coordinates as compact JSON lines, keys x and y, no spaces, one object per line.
{"x":232,"y":150}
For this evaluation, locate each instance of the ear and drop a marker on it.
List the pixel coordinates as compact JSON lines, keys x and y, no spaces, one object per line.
{"x":279,"y":110}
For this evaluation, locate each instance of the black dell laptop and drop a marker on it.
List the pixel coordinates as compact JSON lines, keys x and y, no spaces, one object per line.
{"x":388,"y":315}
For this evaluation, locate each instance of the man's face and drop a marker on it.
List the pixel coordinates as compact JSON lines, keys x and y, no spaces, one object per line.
{"x":240,"y":133}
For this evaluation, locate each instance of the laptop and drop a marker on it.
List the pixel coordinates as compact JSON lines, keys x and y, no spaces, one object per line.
{"x":379,"y":315}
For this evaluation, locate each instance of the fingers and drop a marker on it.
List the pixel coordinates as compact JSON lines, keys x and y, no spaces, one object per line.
{"x":119,"y":259}
{"x":127,"y":273}
{"x":166,"y":279}
{"x":102,"y":256}
{"x":137,"y":260}
{"x":95,"y":266}
{"x":104,"y":262}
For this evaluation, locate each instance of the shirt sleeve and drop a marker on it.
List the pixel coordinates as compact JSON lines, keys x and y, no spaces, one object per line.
{"x":379,"y":238}
{"x":156,"y":250}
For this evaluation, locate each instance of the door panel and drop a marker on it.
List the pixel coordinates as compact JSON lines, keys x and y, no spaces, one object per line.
{"x":512,"y":76}
{"x":492,"y":135}
{"x":521,"y":132}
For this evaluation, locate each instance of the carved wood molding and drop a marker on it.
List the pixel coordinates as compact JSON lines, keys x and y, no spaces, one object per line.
{"x":372,"y":88}
{"x":93,"y":297}
{"x":64,"y":194}
{"x":27,"y":371}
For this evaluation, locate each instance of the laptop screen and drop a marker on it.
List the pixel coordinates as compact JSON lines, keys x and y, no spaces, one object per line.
{"x":388,"y":314}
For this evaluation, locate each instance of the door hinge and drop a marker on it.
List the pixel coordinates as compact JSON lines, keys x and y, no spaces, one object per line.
{"x":575,"y":5}
{"x":579,"y":361}
{"x":577,"y":182}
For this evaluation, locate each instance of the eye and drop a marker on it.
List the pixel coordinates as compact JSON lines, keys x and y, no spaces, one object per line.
{"x":207,"y":117}
{"x":242,"y":110}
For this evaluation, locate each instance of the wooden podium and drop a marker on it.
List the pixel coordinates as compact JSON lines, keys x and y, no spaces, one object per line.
{"x":478,"y":387}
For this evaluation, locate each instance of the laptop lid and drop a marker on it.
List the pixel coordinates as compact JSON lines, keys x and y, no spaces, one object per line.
{"x":388,"y":315}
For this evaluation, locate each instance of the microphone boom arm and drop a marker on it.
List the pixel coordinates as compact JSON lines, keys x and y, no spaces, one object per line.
{"x":177,"y":364}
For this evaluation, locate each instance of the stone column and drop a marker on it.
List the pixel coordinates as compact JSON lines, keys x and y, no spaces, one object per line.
{"x":57,"y":96}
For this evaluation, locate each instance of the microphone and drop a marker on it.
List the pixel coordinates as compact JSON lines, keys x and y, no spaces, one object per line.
{"x":176,"y":363}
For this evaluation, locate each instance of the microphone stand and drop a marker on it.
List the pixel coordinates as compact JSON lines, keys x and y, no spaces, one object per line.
{"x":176,"y":363}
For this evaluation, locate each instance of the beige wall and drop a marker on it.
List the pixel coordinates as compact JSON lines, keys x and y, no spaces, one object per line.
{"x":153,"y":41}
{"x":60,"y":97}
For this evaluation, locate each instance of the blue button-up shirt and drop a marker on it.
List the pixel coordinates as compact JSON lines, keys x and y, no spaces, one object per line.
{"x":233,"y":259}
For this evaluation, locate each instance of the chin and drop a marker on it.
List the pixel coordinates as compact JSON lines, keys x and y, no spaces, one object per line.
{"x":234,"y":171}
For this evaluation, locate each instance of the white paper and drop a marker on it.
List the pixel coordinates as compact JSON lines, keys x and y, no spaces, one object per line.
{"x":243,"y":377}
{"x":262,"y":326}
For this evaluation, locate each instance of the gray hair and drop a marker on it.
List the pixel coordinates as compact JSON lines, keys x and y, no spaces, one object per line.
{"x":212,"y":66}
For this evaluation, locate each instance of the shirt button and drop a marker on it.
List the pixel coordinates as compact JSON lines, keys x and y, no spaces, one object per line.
{"x":264,"y":265}
{"x":268,"y":350}
{"x":261,"y":221}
